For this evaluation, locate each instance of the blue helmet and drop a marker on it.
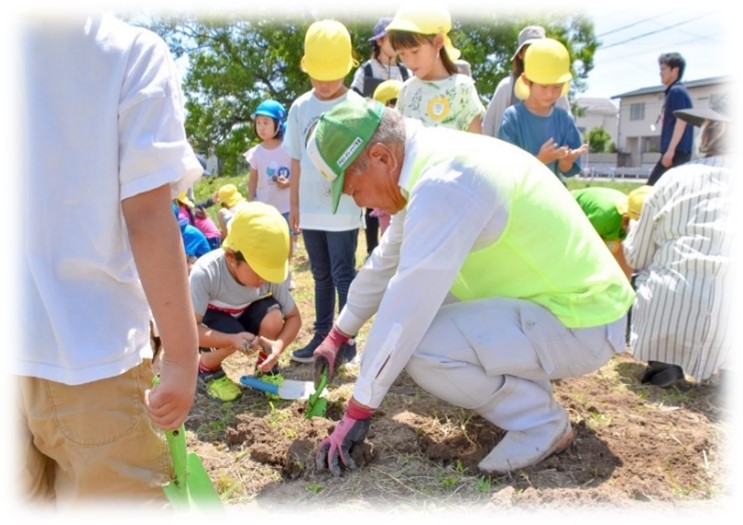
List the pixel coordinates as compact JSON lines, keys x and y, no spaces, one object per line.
{"x":271,"y":108}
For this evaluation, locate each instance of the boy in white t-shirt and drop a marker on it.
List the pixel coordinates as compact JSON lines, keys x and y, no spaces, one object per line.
{"x":330,"y":239}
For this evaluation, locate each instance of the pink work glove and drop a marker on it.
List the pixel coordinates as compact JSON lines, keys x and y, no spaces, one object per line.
{"x":349,"y":432}
{"x":327,"y":355}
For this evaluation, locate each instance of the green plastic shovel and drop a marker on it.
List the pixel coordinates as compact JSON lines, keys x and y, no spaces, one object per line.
{"x":191,"y":488}
{"x":316,"y":404}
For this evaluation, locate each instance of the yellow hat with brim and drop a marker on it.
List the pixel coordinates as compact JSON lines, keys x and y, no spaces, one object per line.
{"x":546,"y":62}
{"x":261,"y":234}
{"x":230,"y":195}
{"x":183,"y":198}
{"x":387,"y":90}
{"x":327,"y":51}
{"x":426,"y":19}
{"x":635,"y":202}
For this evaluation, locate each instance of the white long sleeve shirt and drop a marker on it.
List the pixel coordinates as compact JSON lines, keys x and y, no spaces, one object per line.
{"x":407,"y":278}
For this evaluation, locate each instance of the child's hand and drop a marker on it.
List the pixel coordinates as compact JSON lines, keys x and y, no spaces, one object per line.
{"x":170,"y":401}
{"x":565,"y":163}
{"x":550,"y":152}
{"x":282,"y":182}
{"x":273,"y":351}
{"x":245,"y":342}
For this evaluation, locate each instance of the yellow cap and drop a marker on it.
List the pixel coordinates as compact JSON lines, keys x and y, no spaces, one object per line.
{"x":387,"y":90}
{"x":327,"y":51}
{"x":546,"y":61}
{"x":230,"y":195}
{"x":635,"y":202}
{"x":183,"y":198}
{"x":430,"y":18}
{"x":260,"y":233}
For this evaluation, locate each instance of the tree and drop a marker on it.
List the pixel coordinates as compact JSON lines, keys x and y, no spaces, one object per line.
{"x":237,"y":61}
{"x":598,"y":140}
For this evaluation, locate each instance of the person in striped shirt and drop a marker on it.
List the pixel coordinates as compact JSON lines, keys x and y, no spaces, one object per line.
{"x":680,"y":248}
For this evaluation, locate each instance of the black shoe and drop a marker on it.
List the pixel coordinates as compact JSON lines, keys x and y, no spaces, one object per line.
{"x":304,"y":355}
{"x":662,"y":374}
{"x":653,"y":368}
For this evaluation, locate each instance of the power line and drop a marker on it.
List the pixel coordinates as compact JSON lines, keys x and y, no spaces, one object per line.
{"x":653,"y":32}
{"x":632,"y":24}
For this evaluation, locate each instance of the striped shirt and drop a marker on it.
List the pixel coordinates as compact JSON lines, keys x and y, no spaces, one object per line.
{"x":680,"y":248}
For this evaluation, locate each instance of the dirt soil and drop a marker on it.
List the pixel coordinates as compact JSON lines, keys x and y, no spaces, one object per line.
{"x":636,"y":447}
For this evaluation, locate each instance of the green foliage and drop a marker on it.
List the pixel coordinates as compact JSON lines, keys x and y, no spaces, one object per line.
{"x":236,"y":61}
{"x":599,"y":140}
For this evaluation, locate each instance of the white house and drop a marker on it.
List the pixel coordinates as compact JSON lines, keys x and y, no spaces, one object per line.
{"x":638,"y":137}
{"x":597,"y":113}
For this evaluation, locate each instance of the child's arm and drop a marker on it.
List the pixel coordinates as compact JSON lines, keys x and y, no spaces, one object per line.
{"x":222,"y":223}
{"x":252,"y":184}
{"x":294,"y":196}
{"x":160,"y":258}
{"x":476,"y":125}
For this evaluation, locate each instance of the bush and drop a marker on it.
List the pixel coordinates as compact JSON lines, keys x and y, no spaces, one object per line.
{"x":598,"y":140}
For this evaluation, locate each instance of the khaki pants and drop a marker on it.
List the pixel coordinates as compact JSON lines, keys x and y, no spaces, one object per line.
{"x":92,"y":443}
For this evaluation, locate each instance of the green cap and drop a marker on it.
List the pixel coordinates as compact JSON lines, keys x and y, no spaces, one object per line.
{"x":339,"y":137}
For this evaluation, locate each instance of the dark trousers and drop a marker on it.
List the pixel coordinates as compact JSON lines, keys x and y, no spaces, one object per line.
{"x":679,"y":158}
{"x":371,"y":231}
{"x":332,"y":258}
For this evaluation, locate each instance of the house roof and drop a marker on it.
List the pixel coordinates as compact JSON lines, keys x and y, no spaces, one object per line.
{"x":661,"y":88}
{"x":597,"y":105}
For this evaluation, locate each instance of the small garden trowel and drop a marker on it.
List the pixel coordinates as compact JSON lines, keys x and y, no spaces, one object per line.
{"x":191,"y":488}
{"x":288,"y":389}
{"x":317,"y":404}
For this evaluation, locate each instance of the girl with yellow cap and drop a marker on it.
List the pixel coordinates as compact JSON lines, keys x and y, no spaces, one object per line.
{"x":438,"y":94}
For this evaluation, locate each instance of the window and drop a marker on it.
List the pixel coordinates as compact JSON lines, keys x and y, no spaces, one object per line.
{"x":637,"y":111}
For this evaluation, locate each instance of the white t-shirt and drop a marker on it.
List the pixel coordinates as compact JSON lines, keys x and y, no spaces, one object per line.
{"x":271,"y":163}
{"x":104,"y":117}
{"x":315,"y":199}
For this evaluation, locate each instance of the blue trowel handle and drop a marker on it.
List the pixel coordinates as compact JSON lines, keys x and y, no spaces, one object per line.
{"x":257,"y":384}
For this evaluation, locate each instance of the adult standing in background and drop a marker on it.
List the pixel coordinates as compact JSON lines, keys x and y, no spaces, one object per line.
{"x":680,"y":249}
{"x":676,"y":138}
{"x":106,"y":151}
{"x":504,"y":95}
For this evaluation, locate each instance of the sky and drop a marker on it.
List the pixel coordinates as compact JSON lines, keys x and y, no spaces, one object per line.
{"x":633,"y":34}
{"x":633,"y":38}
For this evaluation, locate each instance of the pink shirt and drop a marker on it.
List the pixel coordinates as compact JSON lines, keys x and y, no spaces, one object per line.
{"x":207,"y":226}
